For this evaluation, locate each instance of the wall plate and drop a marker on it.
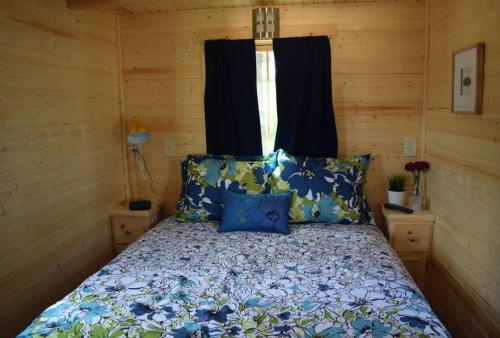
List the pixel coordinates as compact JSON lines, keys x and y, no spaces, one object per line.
{"x":168,"y":147}
{"x":410,"y":146}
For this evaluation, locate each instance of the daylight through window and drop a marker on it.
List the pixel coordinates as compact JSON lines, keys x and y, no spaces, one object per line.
{"x":266,"y":91}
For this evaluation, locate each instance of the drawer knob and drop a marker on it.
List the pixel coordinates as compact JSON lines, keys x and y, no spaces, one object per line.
{"x":123,"y":226}
{"x":413,"y":240}
{"x":410,"y":232}
{"x":127,"y":233}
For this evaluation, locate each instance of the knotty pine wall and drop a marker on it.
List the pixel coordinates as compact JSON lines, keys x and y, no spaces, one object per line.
{"x":378,"y":54}
{"x":61,"y":162}
{"x":464,"y":152}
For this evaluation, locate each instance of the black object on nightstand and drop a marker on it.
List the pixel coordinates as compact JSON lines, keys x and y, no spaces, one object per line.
{"x":397,"y":207}
{"x":139,"y":205}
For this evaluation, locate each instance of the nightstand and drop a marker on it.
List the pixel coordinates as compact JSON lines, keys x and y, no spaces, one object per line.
{"x":128,"y":225}
{"x":410,"y":235}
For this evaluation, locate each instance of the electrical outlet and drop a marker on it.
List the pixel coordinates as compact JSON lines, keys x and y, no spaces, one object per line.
{"x":410,"y":146}
{"x":168,"y":147}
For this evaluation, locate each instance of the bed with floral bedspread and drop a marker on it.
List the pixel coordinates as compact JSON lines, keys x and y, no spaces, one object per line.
{"x":187,"y":280}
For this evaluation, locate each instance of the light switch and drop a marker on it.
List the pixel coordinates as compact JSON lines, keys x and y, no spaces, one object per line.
{"x":168,"y":147}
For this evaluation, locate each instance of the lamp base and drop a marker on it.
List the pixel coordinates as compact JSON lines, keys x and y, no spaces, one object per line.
{"x":139,"y":204}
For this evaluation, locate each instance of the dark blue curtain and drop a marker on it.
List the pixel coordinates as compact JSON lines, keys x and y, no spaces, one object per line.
{"x":231,"y":107}
{"x":306,"y":124}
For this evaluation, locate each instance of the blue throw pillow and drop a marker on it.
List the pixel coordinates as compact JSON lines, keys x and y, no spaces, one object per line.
{"x":261,"y":212}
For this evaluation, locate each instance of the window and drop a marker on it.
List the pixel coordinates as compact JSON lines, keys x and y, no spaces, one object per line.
{"x":266,"y":93}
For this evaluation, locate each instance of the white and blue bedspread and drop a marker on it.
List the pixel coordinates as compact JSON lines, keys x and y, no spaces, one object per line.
{"x":187,"y":280}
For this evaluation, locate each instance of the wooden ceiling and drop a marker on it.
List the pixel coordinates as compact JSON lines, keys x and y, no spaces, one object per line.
{"x":146,"y":6}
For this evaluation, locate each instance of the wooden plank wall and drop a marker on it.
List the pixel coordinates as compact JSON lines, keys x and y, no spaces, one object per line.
{"x":61,"y":162}
{"x":464,"y":151}
{"x":378,"y":53}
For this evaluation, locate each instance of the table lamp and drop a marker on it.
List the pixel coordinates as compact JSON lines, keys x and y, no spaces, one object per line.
{"x":137,"y":135}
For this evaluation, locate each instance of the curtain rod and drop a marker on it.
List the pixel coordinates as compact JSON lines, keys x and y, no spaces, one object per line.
{"x":269,"y":42}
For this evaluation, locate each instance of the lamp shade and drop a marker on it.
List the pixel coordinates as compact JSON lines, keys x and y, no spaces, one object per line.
{"x":137,"y":132}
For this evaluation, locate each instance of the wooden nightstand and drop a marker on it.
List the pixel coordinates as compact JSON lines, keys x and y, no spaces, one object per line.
{"x":127,"y":225}
{"x":410,"y":235}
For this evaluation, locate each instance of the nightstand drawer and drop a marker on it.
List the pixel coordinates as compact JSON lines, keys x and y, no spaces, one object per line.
{"x":127,"y":230}
{"x":411,"y":238}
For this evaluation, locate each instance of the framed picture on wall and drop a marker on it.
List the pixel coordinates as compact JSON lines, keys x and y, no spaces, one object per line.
{"x":468,"y":80}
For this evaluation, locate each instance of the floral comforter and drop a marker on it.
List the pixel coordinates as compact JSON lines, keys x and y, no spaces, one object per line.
{"x":187,"y":280}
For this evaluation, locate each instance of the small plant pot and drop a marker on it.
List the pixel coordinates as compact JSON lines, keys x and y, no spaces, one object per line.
{"x":396,"y":197}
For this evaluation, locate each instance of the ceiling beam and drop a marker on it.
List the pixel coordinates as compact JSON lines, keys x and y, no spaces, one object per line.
{"x":101,"y":4}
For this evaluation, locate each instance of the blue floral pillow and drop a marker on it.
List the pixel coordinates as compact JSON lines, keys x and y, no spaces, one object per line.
{"x":326,"y":190}
{"x":263,"y":212}
{"x":197,"y":158}
{"x":205,"y":176}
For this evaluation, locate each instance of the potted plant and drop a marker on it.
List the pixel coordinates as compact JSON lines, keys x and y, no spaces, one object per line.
{"x":396,"y":193}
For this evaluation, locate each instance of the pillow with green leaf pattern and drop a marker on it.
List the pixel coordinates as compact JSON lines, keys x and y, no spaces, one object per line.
{"x":205,"y":178}
{"x":325,"y":190}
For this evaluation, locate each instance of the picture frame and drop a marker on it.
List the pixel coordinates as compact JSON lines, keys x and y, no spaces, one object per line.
{"x":468,"y":80}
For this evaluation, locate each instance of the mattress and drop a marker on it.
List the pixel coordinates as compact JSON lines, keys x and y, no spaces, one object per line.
{"x":188,"y":280}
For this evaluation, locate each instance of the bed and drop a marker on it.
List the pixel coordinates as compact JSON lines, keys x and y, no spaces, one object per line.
{"x":188,"y":280}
